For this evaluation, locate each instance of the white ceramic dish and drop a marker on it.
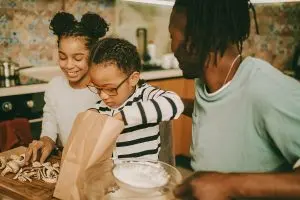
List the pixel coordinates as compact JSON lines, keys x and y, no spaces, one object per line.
{"x":162,"y":179}
{"x":141,"y":176}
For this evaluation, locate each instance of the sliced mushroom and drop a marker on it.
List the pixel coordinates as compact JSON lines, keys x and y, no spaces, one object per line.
{"x":36,"y":164}
{"x":55,"y":165}
{"x":46,"y":171}
{"x":50,"y":180}
{"x":14,"y":166}
{"x":28,"y":175}
{"x":22,"y":179}
{"x":2,"y":162}
{"x":47,"y":164}
{"x":38,"y":174}
{"x":6,"y":170}
{"x":18,"y":174}
{"x":14,"y":157}
{"x":21,"y":163}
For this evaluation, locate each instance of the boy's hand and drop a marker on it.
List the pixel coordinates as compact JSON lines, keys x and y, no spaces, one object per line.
{"x":118,"y":116}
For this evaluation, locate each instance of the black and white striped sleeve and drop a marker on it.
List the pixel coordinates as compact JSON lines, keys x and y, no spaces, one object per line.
{"x":157,"y":105}
{"x":97,"y":105}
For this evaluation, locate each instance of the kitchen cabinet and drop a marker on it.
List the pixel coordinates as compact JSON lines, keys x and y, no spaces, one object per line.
{"x":182,"y":127}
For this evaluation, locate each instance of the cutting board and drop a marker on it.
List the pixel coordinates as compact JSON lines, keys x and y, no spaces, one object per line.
{"x":35,"y":190}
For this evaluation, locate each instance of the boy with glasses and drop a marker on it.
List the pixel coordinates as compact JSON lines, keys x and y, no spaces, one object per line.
{"x":115,"y":77}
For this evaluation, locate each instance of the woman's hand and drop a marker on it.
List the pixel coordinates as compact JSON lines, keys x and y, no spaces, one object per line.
{"x":44,"y":146}
{"x":205,"y":186}
{"x":118,"y":116}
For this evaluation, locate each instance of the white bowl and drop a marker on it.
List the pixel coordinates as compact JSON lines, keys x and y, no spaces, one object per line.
{"x":128,"y":189}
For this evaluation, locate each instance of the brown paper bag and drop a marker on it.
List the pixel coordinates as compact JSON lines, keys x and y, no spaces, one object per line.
{"x":88,"y":151}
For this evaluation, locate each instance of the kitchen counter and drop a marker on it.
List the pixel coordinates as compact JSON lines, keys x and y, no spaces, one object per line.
{"x":14,"y":189}
{"x":47,"y":73}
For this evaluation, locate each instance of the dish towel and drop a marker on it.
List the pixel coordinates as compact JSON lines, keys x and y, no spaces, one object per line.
{"x":14,"y":133}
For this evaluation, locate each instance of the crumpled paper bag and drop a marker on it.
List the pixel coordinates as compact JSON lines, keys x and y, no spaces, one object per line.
{"x":88,"y":151}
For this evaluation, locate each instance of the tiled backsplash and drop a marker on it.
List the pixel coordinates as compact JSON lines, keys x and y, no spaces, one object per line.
{"x":25,"y":36}
{"x":24,"y":27}
{"x":279,"y":29}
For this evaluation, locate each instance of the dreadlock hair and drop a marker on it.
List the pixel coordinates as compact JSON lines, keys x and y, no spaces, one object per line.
{"x":91,"y":27}
{"x":214,"y":24}
{"x":117,"y":51}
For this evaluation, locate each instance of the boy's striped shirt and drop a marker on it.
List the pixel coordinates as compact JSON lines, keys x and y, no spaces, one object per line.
{"x":142,"y":113}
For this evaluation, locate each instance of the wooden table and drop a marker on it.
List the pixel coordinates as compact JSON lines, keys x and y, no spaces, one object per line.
{"x":35,"y":190}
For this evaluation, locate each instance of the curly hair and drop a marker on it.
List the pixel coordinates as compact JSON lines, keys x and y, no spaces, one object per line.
{"x":117,"y":51}
{"x":91,"y":27}
{"x":213,"y":25}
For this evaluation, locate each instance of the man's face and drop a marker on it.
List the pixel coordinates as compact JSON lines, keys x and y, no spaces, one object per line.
{"x":188,"y":62}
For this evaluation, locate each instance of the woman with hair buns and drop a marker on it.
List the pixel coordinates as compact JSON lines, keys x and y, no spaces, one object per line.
{"x":68,"y":95}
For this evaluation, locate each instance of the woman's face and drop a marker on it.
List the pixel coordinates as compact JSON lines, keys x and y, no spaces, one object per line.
{"x":73,"y":58}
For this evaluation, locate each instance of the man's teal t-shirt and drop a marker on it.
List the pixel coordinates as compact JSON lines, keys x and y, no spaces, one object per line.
{"x":251,"y":125}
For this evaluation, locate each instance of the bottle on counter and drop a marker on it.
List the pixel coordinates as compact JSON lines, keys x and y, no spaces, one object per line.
{"x":151,"y":48}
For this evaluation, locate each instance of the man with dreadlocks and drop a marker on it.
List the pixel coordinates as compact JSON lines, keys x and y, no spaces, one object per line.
{"x":246,"y":113}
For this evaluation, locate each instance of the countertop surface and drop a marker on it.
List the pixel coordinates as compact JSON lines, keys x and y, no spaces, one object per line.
{"x":48,"y":72}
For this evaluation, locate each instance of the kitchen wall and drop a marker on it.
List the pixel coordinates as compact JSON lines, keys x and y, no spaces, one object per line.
{"x":278,"y":25}
{"x":25,"y":36}
{"x":279,"y":33}
{"x":24,"y":27}
{"x":154,"y":18}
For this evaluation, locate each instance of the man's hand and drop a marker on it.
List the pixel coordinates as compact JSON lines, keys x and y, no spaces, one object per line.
{"x":205,"y":186}
{"x":44,"y":146}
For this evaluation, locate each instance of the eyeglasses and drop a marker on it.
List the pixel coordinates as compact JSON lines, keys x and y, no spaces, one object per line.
{"x":108,"y":91}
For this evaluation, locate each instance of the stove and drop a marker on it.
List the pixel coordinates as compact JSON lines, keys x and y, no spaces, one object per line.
{"x":19,"y":81}
{"x":22,"y":97}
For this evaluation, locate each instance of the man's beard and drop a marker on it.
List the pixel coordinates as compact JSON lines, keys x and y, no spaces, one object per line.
{"x":191,"y":70}
{"x":190,"y":65}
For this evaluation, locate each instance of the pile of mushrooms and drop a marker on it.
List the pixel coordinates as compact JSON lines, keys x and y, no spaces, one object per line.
{"x":16,"y":164}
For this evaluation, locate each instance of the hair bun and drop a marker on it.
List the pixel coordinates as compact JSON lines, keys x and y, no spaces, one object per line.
{"x":62,"y":22}
{"x":95,"y":25}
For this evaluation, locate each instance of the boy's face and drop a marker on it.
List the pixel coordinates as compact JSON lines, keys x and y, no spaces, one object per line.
{"x":114,"y":86}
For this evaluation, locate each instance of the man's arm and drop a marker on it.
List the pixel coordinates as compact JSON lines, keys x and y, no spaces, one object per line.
{"x":188,"y":106}
{"x":278,"y":185}
{"x":221,"y":186}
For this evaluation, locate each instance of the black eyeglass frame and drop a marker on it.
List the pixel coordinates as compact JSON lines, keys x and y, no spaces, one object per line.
{"x":110,"y":91}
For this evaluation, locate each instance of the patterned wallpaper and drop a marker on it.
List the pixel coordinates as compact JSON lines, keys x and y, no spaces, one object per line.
{"x":279,"y":33}
{"x":24,"y":27}
{"x":25,"y":36}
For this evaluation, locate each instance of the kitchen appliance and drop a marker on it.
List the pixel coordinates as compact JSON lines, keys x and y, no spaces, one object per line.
{"x":141,"y":34}
{"x":19,"y":80}
{"x":29,"y":106}
{"x":9,"y":69}
{"x":142,"y":47}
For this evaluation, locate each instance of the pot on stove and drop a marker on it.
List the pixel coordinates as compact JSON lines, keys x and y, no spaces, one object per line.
{"x":9,"y":69}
